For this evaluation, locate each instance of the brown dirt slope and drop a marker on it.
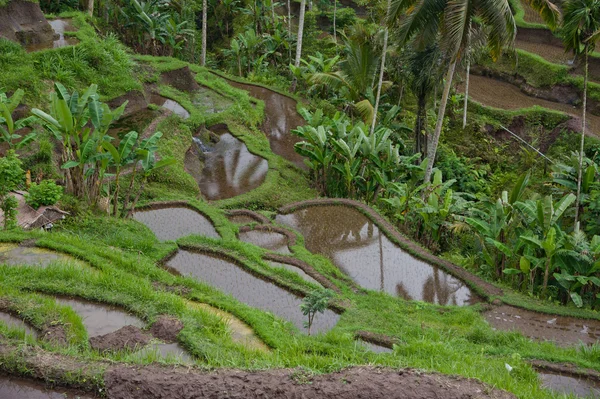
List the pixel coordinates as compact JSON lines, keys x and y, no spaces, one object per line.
{"x":361,"y":382}
{"x":24,"y":22}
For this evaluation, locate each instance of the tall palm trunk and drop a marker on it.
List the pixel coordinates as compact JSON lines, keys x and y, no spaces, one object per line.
{"x":466,"y":104}
{"x":432,"y":150}
{"x":585,"y":84}
{"x":420,"y":138}
{"x":204,"y":28}
{"x":90,"y":7}
{"x":299,"y":40}
{"x":334,"y":23}
{"x":289,"y":24}
{"x":385,"y":42}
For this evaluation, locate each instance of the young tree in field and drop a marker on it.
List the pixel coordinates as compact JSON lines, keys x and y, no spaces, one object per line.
{"x":581,"y":31}
{"x":452,"y":20}
{"x":313,"y":303}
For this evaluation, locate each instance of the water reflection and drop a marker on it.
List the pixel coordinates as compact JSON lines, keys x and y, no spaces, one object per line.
{"x":60,"y":26}
{"x":363,"y":252}
{"x":570,"y":385}
{"x":17,"y":388}
{"x":171,"y":223}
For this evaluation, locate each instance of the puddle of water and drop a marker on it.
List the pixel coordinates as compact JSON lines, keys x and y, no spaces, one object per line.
{"x":100,"y":319}
{"x":570,"y":385}
{"x":240,"y":332}
{"x":14,"y":255}
{"x":175,"y":222}
{"x":171,"y":105}
{"x":249,"y":289}
{"x":494,"y":93}
{"x":18,"y":388}
{"x":241,"y":219}
{"x":357,"y":246}
{"x":210,"y":100}
{"x":375,"y":348}
{"x":15,"y":322}
{"x":229,"y":169}
{"x":166,"y":351}
{"x":60,"y":26}
{"x":562,"y":330}
{"x":296,"y":270}
{"x":281,"y":118}
{"x":270,"y":240}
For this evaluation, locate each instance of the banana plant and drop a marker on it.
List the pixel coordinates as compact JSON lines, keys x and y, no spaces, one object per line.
{"x":8,"y":127}
{"x":121,"y":157}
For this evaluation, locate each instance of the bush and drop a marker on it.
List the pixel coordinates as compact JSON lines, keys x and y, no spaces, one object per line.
{"x":45,"y":193}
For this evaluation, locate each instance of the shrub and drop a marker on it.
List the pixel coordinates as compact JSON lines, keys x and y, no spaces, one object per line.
{"x":45,"y":193}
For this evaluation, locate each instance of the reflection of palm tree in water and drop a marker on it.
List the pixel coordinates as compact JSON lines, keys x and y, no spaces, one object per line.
{"x":444,"y":290}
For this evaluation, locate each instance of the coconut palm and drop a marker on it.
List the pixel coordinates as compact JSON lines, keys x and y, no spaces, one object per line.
{"x":204,"y":29}
{"x":382,"y":68}
{"x":580,"y":31}
{"x":453,"y":20}
{"x":299,"y":39}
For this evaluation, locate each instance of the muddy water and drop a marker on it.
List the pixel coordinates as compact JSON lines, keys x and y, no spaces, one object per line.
{"x":494,"y":93}
{"x":14,"y":255}
{"x":375,"y":348}
{"x":296,"y":270}
{"x":15,"y":322}
{"x":359,"y":249}
{"x":17,"y":388}
{"x":210,"y":101}
{"x":247,"y":288}
{"x":175,"y":222}
{"x":242,"y":219}
{"x":100,"y":319}
{"x":60,"y":26}
{"x":171,"y":105}
{"x":281,"y":118}
{"x":270,"y":240}
{"x":563,"y":330}
{"x":166,"y":351}
{"x":229,"y":170}
{"x":570,"y":385}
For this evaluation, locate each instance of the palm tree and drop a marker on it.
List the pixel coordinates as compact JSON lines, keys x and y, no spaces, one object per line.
{"x":204,"y":29}
{"x":299,"y":39}
{"x":383,"y":53}
{"x":453,"y":20}
{"x":581,"y":31}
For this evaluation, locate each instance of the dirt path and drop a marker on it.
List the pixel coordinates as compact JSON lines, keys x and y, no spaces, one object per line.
{"x":360,"y":382}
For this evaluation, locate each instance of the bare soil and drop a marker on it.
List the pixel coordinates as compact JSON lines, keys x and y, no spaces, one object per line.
{"x":128,"y":337}
{"x":23,"y":22}
{"x":182,"y":79}
{"x":361,"y":382}
{"x":55,"y":334}
{"x":166,"y":328}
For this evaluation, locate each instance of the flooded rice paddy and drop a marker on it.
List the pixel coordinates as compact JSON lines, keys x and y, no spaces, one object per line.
{"x":171,"y":105}
{"x":247,"y":288}
{"x":295,"y":269}
{"x":15,"y":322}
{"x":360,"y":250}
{"x":13,"y":255}
{"x":270,"y":240}
{"x":166,"y":351}
{"x":281,"y":117}
{"x":60,"y":26}
{"x":495,"y":93}
{"x":562,"y":330}
{"x":570,"y":385}
{"x":171,"y":223}
{"x":227,"y":169}
{"x":18,"y":388}
{"x":100,"y":319}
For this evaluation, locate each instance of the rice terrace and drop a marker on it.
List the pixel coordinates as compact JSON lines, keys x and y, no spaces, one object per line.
{"x":299,"y":199}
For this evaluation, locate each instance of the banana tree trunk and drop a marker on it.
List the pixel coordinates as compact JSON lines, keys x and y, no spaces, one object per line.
{"x":385,"y":42}
{"x":579,"y":174}
{"x":299,"y":40}
{"x":204,"y":29}
{"x":546,"y":273}
{"x":432,"y":150}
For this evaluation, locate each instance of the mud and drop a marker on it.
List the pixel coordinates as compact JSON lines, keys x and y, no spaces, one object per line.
{"x":570,"y":385}
{"x":100,"y":319}
{"x":549,"y":52}
{"x":166,"y":328}
{"x":14,"y":255}
{"x":495,"y":93}
{"x":136,"y":102}
{"x":245,"y":287}
{"x":170,"y":223}
{"x":378,"y":343}
{"x":562,"y":330}
{"x":241,"y":333}
{"x":14,"y":322}
{"x":296,"y":270}
{"x":375,"y":348}
{"x":357,"y":246}
{"x":136,"y":121}
{"x":182,"y":79}
{"x":245,"y":216}
{"x":23,"y":22}
{"x":270,"y":240}
{"x":18,"y":388}
{"x":242,"y":219}
{"x":56,"y":334}
{"x":59,"y":26}
{"x":227,"y":170}
{"x":281,"y":118}
{"x":171,"y":105}
{"x":361,"y":382}
{"x":126,"y":338}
